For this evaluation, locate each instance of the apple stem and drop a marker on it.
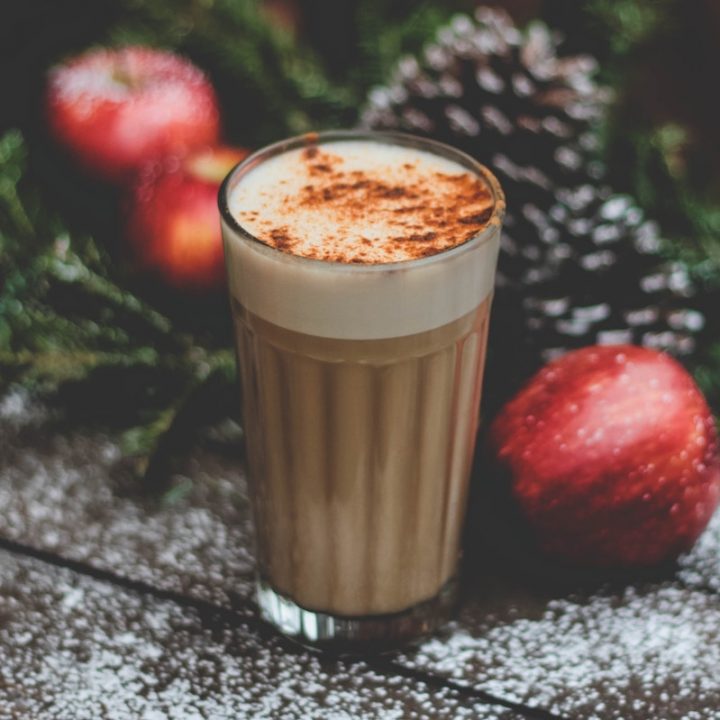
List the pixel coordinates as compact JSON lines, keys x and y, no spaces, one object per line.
{"x":123,"y":75}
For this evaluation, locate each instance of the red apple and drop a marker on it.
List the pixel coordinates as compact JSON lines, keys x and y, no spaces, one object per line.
{"x":116,"y":109}
{"x":613,"y":456}
{"x":173,"y":225}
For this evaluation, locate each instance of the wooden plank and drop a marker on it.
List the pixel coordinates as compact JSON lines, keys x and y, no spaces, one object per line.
{"x":76,"y":647}
{"x":69,"y":493}
{"x":645,"y":651}
{"x":650,"y":650}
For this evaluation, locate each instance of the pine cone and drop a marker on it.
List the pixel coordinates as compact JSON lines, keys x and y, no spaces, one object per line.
{"x":505,"y":98}
{"x":578,"y":265}
{"x":610,"y":282}
{"x":592,"y":270}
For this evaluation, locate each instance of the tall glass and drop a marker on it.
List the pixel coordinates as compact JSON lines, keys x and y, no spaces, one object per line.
{"x":359,"y":438}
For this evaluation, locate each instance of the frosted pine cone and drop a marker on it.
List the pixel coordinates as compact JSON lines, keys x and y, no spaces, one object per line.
{"x":504,"y":97}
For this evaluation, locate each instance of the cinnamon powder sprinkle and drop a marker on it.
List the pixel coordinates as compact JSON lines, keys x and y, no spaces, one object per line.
{"x":415,"y":211}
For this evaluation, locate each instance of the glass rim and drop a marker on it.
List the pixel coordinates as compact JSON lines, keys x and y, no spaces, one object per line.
{"x":387,"y":137}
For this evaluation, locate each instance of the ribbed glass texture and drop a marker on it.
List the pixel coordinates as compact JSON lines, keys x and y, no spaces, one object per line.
{"x":359,"y":456}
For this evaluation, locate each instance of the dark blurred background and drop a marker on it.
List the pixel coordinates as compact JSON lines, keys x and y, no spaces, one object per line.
{"x":286,"y":66}
{"x":313,"y":61}
{"x":283,"y":67}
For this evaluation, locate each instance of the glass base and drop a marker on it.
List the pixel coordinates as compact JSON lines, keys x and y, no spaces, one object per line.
{"x":355,"y":634}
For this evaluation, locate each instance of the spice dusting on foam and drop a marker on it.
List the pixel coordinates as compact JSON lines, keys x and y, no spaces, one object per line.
{"x":364,"y":207}
{"x":362,"y":202}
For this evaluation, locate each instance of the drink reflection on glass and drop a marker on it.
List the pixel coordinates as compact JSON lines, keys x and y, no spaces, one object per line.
{"x":361,"y":270}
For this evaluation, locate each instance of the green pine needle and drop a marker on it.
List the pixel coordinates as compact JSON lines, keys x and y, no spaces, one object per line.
{"x":57,"y":351}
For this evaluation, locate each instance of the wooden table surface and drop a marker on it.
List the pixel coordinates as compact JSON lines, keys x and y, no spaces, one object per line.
{"x":115,"y":603}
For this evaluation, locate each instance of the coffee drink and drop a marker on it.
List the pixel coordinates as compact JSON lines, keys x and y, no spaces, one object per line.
{"x":364,"y":449}
{"x":361,"y":271}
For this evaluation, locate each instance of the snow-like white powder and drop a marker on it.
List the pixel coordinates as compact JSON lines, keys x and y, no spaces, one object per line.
{"x":122,"y":656}
{"x":701,"y":566}
{"x":18,"y":408}
{"x":648,"y":652}
{"x":69,"y":494}
{"x":643,"y":653}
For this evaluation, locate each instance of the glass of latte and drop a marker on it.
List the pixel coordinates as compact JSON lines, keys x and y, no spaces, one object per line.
{"x":361,"y":269}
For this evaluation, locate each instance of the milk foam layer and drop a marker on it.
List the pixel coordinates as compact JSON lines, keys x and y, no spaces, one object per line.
{"x":369,"y":298}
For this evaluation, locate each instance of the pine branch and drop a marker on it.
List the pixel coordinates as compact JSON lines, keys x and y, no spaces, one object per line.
{"x":630,"y":23}
{"x":71,"y":332}
{"x":155,"y":445}
{"x":47,"y":370}
{"x":66,"y":267}
{"x":15,"y":223}
{"x":257,"y":62}
{"x":385,"y":35}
